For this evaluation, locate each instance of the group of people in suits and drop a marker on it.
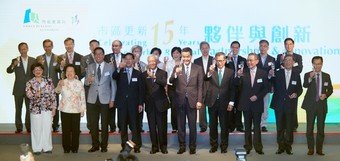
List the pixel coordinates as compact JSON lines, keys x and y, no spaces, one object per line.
{"x":223,"y":87}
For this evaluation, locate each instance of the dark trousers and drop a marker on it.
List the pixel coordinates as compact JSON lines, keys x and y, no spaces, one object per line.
{"x":183,"y":112}
{"x":88,"y":122}
{"x":140,"y":122}
{"x":70,"y":124}
{"x":218,"y":113}
{"x":18,"y":110}
{"x":202,"y":119}
{"x":235,"y":118}
{"x":128,"y":116}
{"x":97,"y":111}
{"x":55,"y":124}
{"x":252,"y":118}
{"x":158,"y":127}
{"x":295,"y":120}
{"x":112,"y":119}
{"x":171,"y":94}
{"x":319,"y":113}
{"x":284,"y":128}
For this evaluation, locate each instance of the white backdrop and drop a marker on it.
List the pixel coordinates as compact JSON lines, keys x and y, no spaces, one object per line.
{"x":314,"y":24}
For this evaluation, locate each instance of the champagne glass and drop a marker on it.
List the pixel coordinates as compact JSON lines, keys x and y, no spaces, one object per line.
{"x":242,"y":64}
{"x":272,"y":66}
{"x":18,"y":59}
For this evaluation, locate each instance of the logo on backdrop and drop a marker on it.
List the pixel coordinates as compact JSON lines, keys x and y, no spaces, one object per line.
{"x":41,"y":22}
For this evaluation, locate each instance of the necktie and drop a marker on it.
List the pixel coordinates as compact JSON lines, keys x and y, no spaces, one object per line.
{"x":138,"y":65}
{"x":219,"y":77}
{"x":128,"y":74}
{"x":153,"y":76}
{"x":317,"y":87}
{"x":70,"y":58}
{"x":187,"y":73}
{"x":252,"y":77}
{"x":287,"y":78}
{"x":99,"y":73}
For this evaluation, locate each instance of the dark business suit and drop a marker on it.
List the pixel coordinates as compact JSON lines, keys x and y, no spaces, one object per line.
{"x":217,"y":99}
{"x":77,"y":58}
{"x":186,"y":97}
{"x":285,"y":107}
{"x":85,"y":62}
{"x":235,"y":120}
{"x":316,"y":108}
{"x":266,"y":66}
{"x":252,"y":110}
{"x":112,"y":121}
{"x":202,"y":117}
{"x":21,"y":77}
{"x":156,"y":106}
{"x":297,"y":67}
{"x":129,"y":97}
{"x":52,"y":70}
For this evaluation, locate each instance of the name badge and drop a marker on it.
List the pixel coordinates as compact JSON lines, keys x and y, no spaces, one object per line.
{"x":107,"y":73}
{"x":134,"y":79}
{"x":293,"y":82}
{"x":55,"y":64}
{"x":325,"y":84}
{"x":295,"y":64}
{"x":259,"y":80}
{"x":77,"y":63}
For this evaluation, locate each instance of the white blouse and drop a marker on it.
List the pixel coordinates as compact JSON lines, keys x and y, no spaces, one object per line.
{"x":72,"y":96}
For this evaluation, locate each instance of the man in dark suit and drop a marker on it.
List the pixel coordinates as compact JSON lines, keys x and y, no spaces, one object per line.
{"x":52,"y":70}
{"x":204,"y":61}
{"x":253,"y":83}
{"x":319,"y":88}
{"x":220,"y":100}
{"x":266,"y":63}
{"x":287,"y":89}
{"x":156,"y":104}
{"x":71,"y":57}
{"x":114,"y":58}
{"x":297,"y":67}
{"x":236,"y":62}
{"x":85,"y":62}
{"x":101,"y":96}
{"x":129,"y":100}
{"x":188,"y":80}
{"x":21,"y":66}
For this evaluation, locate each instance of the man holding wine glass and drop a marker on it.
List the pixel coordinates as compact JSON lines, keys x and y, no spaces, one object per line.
{"x":266,"y":63}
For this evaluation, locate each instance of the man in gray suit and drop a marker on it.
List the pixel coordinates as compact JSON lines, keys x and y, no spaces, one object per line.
{"x":188,"y":98}
{"x":85,"y":62}
{"x":101,"y":98}
{"x":52,"y":68}
{"x":21,"y":67}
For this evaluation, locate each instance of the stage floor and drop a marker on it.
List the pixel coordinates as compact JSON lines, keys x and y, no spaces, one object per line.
{"x":11,"y":153}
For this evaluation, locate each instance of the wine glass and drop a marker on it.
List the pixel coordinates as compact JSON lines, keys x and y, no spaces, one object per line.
{"x":272,"y":66}
{"x":18,"y":59}
{"x":241,"y":65}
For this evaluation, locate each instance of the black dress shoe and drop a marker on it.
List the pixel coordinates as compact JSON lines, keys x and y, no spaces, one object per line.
{"x":48,"y":152}
{"x":259,"y":152}
{"x":320,"y":153}
{"x":74,"y":151}
{"x":223,"y":150}
{"x":103,"y":150}
{"x":203,"y":130}
{"x":174,"y":131}
{"x":164,"y":151}
{"x":264,"y":129}
{"x":93,"y":149}
{"x":279,"y":151}
{"x":66,"y":151}
{"x":310,"y":152}
{"x":153,"y":151}
{"x":212,"y":150}
{"x":239,"y":130}
{"x":137,"y":150}
{"x":28,"y":131}
{"x":181,"y":151}
{"x":36,"y":153}
{"x":248,"y":151}
{"x":289,"y":152}
{"x":18,"y":131}
{"x":192,"y":151}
